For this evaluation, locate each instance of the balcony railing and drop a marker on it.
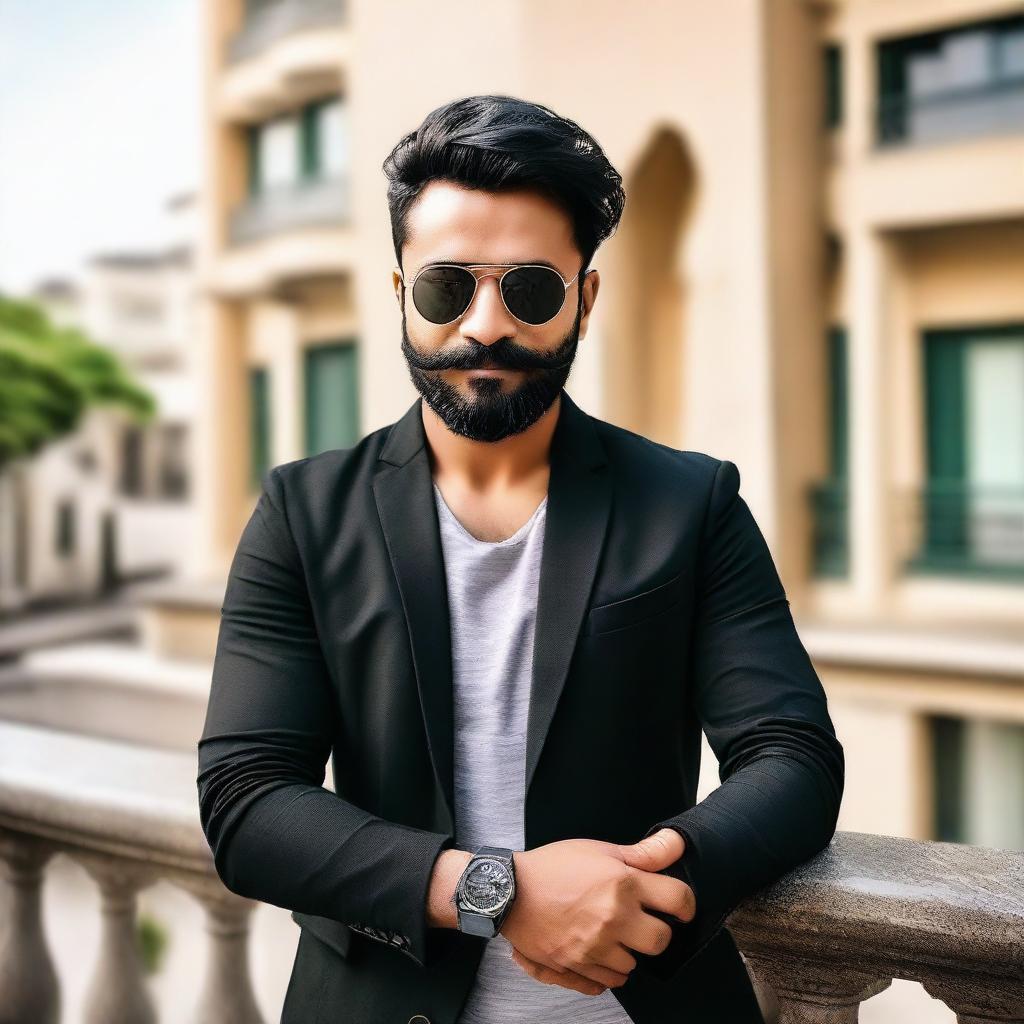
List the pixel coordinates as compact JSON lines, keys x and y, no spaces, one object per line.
{"x":818,"y":942}
{"x":129,"y":816}
{"x":987,"y":109}
{"x":266,"y":21}
{"x":830,"y":542}
{"x":960,"y":529}
{"x":316,"y":203}
{"x":869,"y":909}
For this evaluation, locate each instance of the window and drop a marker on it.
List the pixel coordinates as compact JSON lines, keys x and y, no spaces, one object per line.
{"x":333,"y":132}
{"x":132,"y":467}
{"x":173,"y":468}
{"x":978,"y":782}
{"x":259,"y":429}
{"x":972,"y":506}
{"x":958,"y":82}
{"x":277,"y":154}
{"x":332,"y":397}
{"x":65,"y":539}
{"x":311,"y":144}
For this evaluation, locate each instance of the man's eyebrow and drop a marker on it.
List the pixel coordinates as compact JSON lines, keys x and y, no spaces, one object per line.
{"x":482,"y":263}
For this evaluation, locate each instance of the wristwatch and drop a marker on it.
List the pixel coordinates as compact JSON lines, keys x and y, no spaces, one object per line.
{"x":485,"y":891}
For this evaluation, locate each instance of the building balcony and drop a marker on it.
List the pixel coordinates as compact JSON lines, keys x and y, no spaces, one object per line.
{"x":950,"y":180}
{"x":962,"y":530}
{"x":287,"y":234}
{"x":286,"y":52}
{"x":321,"y":203}
{"x":268,"y":21}
{"x":818,"y":942}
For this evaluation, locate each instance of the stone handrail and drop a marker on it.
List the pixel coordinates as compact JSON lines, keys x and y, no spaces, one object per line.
{"x":871,"y":908}
{"x":818,"y":942}
{"x":129,"y":816}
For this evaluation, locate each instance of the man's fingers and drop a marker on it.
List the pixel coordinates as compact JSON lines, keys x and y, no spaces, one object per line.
{"x":655,"y":852}
{"x":563,"y":977}
{"x":667,"y":894}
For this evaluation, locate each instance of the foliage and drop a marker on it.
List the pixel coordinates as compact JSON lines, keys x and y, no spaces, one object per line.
{"x":152,"y":937}
{"x":50,"y":376}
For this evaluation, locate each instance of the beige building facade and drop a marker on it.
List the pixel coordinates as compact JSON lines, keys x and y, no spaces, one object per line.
{"x":819,"y":275}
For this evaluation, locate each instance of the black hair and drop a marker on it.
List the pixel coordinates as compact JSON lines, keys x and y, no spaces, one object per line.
{"x":499,"y":143}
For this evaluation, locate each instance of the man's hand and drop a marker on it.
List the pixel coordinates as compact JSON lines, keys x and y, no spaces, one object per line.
{"x":580,"y":909}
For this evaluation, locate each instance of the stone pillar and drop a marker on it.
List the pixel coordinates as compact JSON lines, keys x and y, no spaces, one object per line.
{"x":29,"y":988}
{"x":811,"y":993}
{"x":870,"y":506}
{"x":227,"y":996}
{"x":118,"y":991}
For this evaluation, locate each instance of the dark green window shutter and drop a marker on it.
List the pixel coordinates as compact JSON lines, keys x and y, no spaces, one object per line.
{"x":944,"y":508}
{"x":309,"y":140}
{"x":259,"y":431}
{"x":839,"y":455}
{"x":948,"y":771}
{"x":252,"y":143}
{"x":332,"y":397}
{"x":830,"y":498}
{"x":833,"y":86}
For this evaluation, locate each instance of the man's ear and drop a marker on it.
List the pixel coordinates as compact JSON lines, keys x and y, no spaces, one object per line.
{"x":396,"y":282}
{"x":593,"y":278}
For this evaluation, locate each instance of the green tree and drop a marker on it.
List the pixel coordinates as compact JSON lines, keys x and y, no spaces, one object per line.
{"x":50,"y":376}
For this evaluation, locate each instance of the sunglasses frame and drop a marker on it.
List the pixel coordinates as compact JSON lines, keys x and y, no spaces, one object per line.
{"x":476,"y":266}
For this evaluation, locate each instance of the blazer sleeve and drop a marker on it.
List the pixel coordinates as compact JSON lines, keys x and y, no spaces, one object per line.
{"x":764,"y":711}
{"x":276,"y":833}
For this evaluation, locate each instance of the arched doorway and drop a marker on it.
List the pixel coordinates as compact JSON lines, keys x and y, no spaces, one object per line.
{"x":644,"y":355}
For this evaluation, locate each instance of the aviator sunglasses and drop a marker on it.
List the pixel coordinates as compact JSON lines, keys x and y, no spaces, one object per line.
{"x":531,"y":292}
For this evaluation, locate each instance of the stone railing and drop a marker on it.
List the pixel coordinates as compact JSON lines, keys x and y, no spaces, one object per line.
{"x":818,"y":942}
{"x":869,"y":909}
{"x":129,"y":816}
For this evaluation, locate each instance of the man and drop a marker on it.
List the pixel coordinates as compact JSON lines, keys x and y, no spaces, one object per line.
{"x":508,"y":621}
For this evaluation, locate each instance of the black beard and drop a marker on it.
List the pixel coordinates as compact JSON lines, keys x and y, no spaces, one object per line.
{"x":493,"y":414}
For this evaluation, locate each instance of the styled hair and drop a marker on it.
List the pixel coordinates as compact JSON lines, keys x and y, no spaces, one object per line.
{"x":499,"y":143}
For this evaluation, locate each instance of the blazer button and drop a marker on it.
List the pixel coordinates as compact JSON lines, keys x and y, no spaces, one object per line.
{"x":419,"y":1019}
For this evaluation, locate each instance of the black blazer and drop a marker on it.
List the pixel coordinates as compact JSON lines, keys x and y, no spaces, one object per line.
{"x":660,"y":611}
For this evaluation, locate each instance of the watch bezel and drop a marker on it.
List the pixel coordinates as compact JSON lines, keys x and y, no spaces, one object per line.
{"x":464,"y":900}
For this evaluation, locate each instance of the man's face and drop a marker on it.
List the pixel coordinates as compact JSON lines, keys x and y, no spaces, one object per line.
{"x":448,"y":223}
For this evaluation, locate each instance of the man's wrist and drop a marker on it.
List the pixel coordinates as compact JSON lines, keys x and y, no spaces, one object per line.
{"x":448,"y":868}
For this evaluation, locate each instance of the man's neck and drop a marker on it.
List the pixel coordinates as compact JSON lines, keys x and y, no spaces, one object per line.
{"x":491,"y":466}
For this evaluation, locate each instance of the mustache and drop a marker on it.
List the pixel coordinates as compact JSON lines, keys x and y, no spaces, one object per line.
{"x":503,"y":354}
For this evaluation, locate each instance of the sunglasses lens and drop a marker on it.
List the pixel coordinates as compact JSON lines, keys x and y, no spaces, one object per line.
{"x":533,"y":294}
{"x":442,"y":294}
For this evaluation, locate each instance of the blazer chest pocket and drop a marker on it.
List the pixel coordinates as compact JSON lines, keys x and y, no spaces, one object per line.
{"x":335,"y":934}
{"x":630,"y":611}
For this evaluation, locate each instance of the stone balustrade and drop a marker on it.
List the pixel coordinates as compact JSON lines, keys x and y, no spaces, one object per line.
{"x":818,"y":942}
{"x":869,"y":909}
{"x":129,"y":816}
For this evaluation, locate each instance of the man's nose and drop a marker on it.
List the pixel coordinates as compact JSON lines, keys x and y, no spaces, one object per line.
{"x":487,"y":320}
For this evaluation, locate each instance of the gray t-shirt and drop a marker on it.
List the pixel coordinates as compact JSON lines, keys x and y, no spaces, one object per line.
{"x":492,"y":598}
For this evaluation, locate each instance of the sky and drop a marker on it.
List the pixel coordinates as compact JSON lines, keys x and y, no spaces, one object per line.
{"x":99,"y":127}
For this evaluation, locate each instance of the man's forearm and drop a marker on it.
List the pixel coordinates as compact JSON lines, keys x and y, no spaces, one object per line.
{"x":448,"y":868}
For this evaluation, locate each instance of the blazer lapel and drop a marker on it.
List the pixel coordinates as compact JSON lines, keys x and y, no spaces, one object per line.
{"x":579,"y":500}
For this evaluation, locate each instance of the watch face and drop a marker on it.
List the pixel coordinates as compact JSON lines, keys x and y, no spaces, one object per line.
{"x":488,"y":886}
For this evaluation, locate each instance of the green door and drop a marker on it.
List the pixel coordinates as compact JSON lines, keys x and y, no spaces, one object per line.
{"x":332,"y":396}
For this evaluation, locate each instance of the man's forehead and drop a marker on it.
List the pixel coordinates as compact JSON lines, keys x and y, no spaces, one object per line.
{"x":450,"y":224}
